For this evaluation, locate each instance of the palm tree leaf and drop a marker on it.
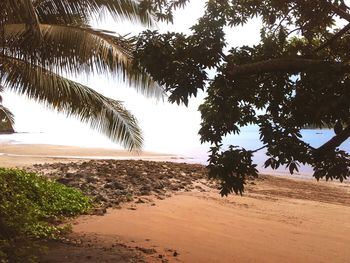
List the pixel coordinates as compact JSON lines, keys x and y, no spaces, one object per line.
{"x":76,"y":50}
{"x":21,"y":11}
{"x":70,"y":10}
{"x":103,"y":114}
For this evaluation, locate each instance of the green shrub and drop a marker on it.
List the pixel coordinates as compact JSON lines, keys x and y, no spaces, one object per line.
{"x":30,"y":207}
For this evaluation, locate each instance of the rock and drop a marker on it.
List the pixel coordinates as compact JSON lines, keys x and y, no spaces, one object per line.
{"x":100,"y":198}
{"x":158,"y":191}
{"x":129,"y":198}
{"x":100,"y":211}
{"x":145,"y":188}
{"x":120,"y":192}
{"x":69,"y":175}
{"x":109,"y":185}
{"x":140,"y":201}
{"x":65,"y":181}
{"x":115,"y":202}
{"x":147,"y":250}
{"x":174,"y":187}
{"x":198,"y":187}
{"x":145,"y":192}
{"x":118,"y":186}
{"x":91,"y":179}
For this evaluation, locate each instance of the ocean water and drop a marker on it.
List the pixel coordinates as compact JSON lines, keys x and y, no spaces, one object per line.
{"x":192,"y":151}
{"x":250,"y":140}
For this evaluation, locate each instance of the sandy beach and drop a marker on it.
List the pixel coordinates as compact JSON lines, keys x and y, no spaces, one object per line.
{"x":19,"y":155}
{"x":205,"y":228}
{"x":182,"y":218}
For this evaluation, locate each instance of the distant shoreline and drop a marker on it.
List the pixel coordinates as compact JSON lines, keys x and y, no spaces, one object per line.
{"x":25,"y":154}
{"x":20,"y":155}
{"x":6,"y":132}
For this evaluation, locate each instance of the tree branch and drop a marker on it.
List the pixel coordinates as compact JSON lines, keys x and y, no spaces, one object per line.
{"x":288,"y":65}
{"x":334,"y":37}
{"x":335,"y":142}
{"x":259,"y":149}
{"x":340,"y":12}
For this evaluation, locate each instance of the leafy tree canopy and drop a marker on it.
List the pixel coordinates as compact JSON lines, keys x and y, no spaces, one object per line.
{"x":296,"y":76}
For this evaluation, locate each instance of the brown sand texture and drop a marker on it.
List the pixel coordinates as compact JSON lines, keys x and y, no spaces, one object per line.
{"x":253,"y":228}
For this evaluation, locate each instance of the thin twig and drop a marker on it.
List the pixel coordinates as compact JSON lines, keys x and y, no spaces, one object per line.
{"x":259,"y":149}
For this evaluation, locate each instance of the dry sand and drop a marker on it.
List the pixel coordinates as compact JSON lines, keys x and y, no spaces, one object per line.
{"x":258,"y":227}
{"x":277,"y":220}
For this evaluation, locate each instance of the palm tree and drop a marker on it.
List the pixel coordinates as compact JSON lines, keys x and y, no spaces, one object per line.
{"x":44,"y":41}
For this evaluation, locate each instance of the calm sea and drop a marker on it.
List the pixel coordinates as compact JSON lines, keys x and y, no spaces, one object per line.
{"x":192,"y":151}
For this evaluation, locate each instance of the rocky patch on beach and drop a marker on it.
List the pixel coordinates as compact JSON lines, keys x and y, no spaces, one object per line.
{"x":113,"y":182}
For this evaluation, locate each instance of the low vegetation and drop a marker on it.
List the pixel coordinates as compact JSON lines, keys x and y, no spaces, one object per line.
{"x":30,"y":209}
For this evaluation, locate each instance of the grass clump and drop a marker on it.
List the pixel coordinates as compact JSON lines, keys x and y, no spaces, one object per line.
{"x":30,"y":207}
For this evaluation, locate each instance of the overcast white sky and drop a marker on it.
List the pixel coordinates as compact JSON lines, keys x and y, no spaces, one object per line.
{"x":166,"y":127}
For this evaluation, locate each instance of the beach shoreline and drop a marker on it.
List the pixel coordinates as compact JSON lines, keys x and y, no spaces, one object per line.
{"x":21,"y":155}
{"x":171,"y":213}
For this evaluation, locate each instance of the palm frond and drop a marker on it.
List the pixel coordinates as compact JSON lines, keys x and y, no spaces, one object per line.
{"x":21,"y":11}
{"x":67,"y":11}
{"x":103,"y":114}
{"x":74,"y":50}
